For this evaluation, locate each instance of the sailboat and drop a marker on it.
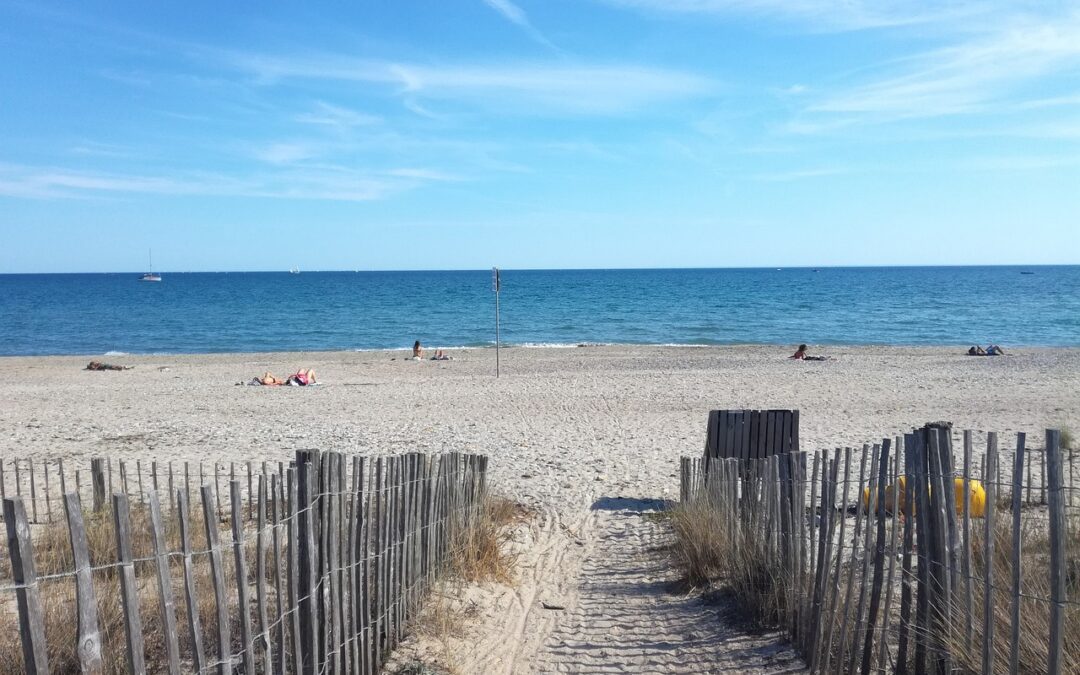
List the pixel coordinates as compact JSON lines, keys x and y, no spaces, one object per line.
{"x":294,"y":270}
{"x":150,"y":276}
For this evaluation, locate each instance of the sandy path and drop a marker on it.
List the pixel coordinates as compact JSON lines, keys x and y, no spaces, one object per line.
{"x":625,"y":615}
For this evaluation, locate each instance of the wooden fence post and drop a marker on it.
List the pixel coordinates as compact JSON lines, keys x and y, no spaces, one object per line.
{"x":88,"y":645}
{"x":305,"y":543}
{"x":27,"y":593}
{"x":293,"y":537}
{"x":260,"y":577}
{"x":907,"y":547}
{"x":1017,"y":549}
{"x":166,"y":604}
{"x":879,"y":554}
{"x":97,"y":478}
{"x":129,"y":592}
{"x":247,"y":648}
{"x":989,"y":534}
{"x":198,"y":654}
{"x":1058,"y":537}
{"x":217,"y":577}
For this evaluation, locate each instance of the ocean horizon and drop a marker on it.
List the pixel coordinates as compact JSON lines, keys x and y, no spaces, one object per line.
{"x":208,"y":312}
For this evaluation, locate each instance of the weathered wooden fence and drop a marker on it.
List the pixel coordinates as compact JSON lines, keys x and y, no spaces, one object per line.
{"x":42,"y":482}
{"x":317,"y":568}
{"x":924,"y":561}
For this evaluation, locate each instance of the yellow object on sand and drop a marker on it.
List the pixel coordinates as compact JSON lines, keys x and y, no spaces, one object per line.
{"x":978,"y":497}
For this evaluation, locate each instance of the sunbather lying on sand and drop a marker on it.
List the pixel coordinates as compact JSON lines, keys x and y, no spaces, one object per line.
{"x":301,"y":378}
{"x":97,"y":365}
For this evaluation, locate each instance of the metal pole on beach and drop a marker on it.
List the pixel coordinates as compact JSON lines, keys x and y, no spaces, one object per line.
{"x":495,"y":286}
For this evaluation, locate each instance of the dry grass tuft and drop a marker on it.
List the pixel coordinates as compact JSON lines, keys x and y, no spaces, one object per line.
{"x":1034,"y":603}
{"x":480,"y":551}
{"x":708,"y":552}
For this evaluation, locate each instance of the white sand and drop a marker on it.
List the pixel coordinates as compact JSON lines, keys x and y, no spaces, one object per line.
{"x":564,"y":428}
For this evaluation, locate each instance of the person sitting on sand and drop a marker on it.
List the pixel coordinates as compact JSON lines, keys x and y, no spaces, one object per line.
{"x":801,"y":355}
{"x":440,"y":355}
{"x":417,"y":351}
{"x":97,"y":365}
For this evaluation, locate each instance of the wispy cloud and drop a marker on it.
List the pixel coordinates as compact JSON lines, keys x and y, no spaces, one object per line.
{"x":818,"y":15}
{"x":515,"y":15}
{"x":536,"y":88}
{"x":317,"y":183}
{"x":285,"y":153}
{"x":328,"y":115}
{"x":785,"y":176}
{"x":1023,"y":64}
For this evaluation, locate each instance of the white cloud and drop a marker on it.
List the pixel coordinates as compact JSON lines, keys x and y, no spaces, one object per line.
{"x":326,"y":114}
{"x":317,"y":183}
{"x":516,"y":16}
{"x":827,"y":15}
{"x":285,"y":153}
{"x":583,"y":89}
{"x":996,"y":72}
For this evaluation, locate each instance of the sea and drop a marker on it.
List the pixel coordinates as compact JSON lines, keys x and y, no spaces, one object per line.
{"x":103,"y":314}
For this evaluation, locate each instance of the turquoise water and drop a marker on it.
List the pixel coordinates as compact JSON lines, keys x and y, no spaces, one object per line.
{"x":246,"y":312}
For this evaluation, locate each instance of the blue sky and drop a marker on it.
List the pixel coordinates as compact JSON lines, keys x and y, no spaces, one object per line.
{"x":537,"y":134}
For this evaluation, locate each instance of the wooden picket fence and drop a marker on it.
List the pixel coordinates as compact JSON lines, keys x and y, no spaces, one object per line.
{"x":972,"y":575}
{"x":345,"y":549}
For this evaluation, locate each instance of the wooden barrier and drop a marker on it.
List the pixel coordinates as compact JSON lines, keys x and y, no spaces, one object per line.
{"x":343,"y":551}
{"x":971,"y":598}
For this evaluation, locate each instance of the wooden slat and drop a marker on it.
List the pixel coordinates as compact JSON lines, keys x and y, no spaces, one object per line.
{"x":217,"y":577}
{"x":940,"y":596}
{"x":746,"y":417}
{"x":894,"y":509}
{"x":845,"y":612}
{"x":989,"y":534}
{"x":738,"y":418}
{"x":261,"y":543}
{"x":1017,"y":550}
{"x":129,"y":592}
{"x":770,"y":432}
{"x":247,"y":645}
{"x":1058,"y":537}
{"x":711,"y":429}
{"x":795,"y":446}
{"x":88,"y":645}
{"x":97,"y":478}
{"x":969,"y":592}
{"x":333,"y":570}
{"x":352,"y":515}
{"x":34,"y":489}
{"x":27,"y":593}
{"x":296,"y":634}
{"x":166,"y":604}
{"x":753,"y":420}
{"x":878,"y":498}
{"x":279,"y":564}
{"x":729,"y":433}
{"x":198,"y":653}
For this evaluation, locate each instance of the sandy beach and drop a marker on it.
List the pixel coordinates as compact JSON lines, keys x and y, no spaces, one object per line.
{"x":588,"y":438}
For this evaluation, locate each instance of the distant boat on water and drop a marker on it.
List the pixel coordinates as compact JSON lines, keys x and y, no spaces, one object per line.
{"x":150,"y":276}
{"x":295,"y":270}
{"x":1027,"y":273}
